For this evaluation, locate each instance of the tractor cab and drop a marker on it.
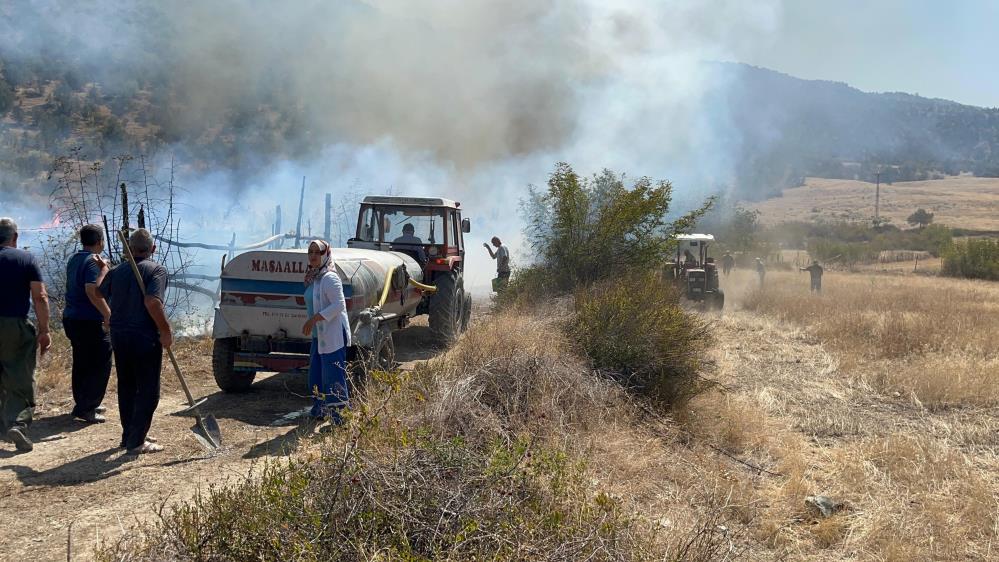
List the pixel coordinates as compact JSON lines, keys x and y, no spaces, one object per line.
{"x":695,"y":271}
{"x":428,"y":229}
{"x":431,"y":231}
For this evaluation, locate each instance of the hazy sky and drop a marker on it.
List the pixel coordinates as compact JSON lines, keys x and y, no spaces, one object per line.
{"x":931,"y":47}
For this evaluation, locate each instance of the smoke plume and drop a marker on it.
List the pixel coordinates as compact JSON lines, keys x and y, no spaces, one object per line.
{"x":472,"y":100}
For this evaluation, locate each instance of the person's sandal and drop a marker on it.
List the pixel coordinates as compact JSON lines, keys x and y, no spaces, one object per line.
{"x":147,"y":447}
{"x":150,"y":438}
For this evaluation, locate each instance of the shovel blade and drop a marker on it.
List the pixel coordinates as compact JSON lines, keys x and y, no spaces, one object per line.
{"x":205,"y":443}
{"x":207,"y":432}
{"x":211,"y":425}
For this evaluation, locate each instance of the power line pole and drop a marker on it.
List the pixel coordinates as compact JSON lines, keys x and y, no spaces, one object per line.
{"x":877,"y":199}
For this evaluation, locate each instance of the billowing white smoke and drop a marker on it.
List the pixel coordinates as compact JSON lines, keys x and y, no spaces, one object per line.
{"x":472,"y":100}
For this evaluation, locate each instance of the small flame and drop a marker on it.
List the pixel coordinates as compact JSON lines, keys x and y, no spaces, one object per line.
{"x":53,"y":222}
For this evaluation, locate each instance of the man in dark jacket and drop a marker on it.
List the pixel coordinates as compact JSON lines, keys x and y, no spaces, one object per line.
{"x":20,"y":285}
{"x":815,"y":272}
{"x":728,"y":262}
{"x":86,"y":319}
{"x":139,"y":332}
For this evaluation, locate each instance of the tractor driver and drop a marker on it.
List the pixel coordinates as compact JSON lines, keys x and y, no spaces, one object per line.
{"x":409,"y":238}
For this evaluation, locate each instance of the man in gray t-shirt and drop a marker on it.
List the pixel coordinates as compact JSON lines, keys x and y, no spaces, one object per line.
{"x":502,"y":257}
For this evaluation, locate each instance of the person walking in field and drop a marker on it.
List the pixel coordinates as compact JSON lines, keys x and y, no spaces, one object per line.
{"x":20,"y":340}
{"x":139,"y":334}
{"x":86,"y":320}
{"x":815,"y":272}
{"x":761,"y":270}
{"x":728,"y":262}
{"x":330,"y":331}
{"x":502,"y":257}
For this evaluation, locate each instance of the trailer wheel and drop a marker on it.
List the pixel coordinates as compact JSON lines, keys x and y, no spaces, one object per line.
{"x":379,"y":358}
{"x":223,"y":367}
{"x":382,"y":357}
{"x":445,"y":317}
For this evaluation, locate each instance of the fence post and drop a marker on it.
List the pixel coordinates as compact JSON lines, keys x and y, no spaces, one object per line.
{"x":327,"y":232}
{"x":277,"y":227}
{"x":298,"y":227}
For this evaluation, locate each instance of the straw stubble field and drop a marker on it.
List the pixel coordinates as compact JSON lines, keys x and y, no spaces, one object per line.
{"x":957,"y":201}
{"x":881,"y":394}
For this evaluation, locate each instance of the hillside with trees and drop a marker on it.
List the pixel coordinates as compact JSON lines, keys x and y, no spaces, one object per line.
{"x":788,"y":128}
{"x":777,"y":129}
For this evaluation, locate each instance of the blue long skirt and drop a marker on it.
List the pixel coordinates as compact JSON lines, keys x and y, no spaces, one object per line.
{"x":328,"y":382}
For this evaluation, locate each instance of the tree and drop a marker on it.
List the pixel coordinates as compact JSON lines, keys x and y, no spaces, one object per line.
{"x":920,"y":218}
{"x":7,"y":96}
{"x":584,"y":230}
{"x":741,"y":231}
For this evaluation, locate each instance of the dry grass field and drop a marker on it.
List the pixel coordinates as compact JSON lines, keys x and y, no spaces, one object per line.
{"x":961,"y":201}
{"x":881,"y":394}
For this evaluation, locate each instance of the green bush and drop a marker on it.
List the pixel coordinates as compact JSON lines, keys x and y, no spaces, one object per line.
{"x":527,"y":286}
{"x":974,"y":259}
{"x":854,"y":243}
{"x":584,"y":230}
{"x":634,"y":328}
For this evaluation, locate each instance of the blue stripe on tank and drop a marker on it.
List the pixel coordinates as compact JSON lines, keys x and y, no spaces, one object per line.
{"x":297,"y":288}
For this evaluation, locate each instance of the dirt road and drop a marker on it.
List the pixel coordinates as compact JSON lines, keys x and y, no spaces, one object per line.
{"x":77,"y":483}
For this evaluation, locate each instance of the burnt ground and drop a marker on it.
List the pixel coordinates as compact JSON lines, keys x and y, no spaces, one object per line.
{"x":77,"y":484}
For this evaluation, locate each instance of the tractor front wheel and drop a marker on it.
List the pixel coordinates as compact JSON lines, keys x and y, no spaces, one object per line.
{"x":719,"y":300}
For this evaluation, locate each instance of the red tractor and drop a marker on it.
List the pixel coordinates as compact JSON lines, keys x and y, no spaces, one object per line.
{"x":430,"y":230}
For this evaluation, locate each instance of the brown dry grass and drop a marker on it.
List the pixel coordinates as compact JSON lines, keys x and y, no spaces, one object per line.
{"x":963,"y":201}
{"x":931,"y":338}
{"x":881,"y":394}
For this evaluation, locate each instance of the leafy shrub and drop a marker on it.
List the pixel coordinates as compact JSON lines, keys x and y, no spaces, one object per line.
{"x":527,"y":287}
{"x":634,"y":327}
{"x":853,"y":242}
{"x":974,"y":259}
{"x":584,"y":230}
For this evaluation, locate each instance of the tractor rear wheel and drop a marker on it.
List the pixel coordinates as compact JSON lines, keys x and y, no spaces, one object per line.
{"x":445,"y":308}
{"x":223,"y":367}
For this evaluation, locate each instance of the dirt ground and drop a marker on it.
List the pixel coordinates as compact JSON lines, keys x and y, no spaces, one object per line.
{"x":76,"y":484}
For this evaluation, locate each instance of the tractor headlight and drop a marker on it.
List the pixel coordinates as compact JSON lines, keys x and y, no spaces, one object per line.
{"x":432,"y":252}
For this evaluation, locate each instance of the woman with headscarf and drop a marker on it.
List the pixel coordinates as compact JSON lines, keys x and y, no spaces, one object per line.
{"x":330,"y":331}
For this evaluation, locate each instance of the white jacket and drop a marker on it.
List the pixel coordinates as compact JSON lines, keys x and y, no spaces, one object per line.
{"x":329,"y":302}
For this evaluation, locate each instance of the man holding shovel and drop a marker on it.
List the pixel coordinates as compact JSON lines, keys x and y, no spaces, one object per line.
{"x":139,"y":333}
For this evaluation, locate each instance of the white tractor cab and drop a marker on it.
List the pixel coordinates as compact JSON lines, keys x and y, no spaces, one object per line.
{"x":390,"y":274}
{"x":695,"y":271}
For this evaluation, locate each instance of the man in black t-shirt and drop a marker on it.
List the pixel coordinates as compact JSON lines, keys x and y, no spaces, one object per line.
{"x":20,"y":285}
{"x":139,"y":332}
{"x":85,"y":320}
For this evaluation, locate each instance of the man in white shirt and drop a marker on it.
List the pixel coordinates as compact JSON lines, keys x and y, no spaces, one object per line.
{"x":502,"y":257}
